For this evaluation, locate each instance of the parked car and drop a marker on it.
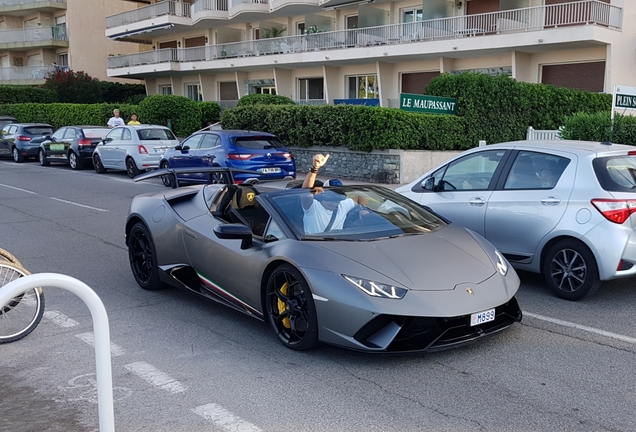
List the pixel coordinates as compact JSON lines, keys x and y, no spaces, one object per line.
{"x":394,"y":278}
{"x":71,"y":145}
{"x":21,"y":141}
{"x":134,"y":148}
{"x":5,"y":120}
{"x":564,"y":209}
{"x":256,"y":151}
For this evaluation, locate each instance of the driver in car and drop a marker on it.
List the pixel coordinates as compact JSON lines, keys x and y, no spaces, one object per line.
{"x":324,"y":211}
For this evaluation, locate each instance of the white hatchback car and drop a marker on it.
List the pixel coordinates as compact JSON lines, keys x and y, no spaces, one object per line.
{"x":561,"y":208}
{"x":134,"y":148}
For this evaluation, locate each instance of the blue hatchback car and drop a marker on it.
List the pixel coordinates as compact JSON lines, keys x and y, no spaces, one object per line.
{"x":256,"y":151}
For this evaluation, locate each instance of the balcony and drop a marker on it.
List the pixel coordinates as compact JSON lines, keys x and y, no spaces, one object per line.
{"x":25,"y":7}
{"x":209,"y":10}
{"x":371,"y":42}
{"x":37,"y":37}
{"x":154,"y":18}
{"x":281,"y":4}
{"x":251,"y":8}
{"x":25,"y":75}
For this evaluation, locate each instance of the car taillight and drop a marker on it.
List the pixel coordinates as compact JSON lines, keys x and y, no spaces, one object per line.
{"x":239,"y":156}
{"x":84,"y":142}
{"x":142,"y":150}
{"x":287,"y":155}
{"x":23,"y":138}
{"x":617,"y":211}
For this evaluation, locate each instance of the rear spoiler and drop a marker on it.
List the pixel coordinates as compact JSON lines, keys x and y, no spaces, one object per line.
{"x":228,"y":177}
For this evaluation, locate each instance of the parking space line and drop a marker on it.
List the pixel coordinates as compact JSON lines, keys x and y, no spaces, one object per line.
{"x":224,"y":419}
{"x":78,"y":204}
{"x":89,"y":338}
{"x":19,"y":189}
{"x":60,"y":319}
{"x":582,"y":327}
{"x":155,"y":377}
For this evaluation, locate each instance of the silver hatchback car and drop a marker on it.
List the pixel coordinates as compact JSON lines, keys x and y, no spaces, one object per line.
{"x":564,"y":209}
{"x":135,"y":148}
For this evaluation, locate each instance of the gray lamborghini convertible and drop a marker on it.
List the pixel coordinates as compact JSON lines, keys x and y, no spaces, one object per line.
{"x":387,"y":276}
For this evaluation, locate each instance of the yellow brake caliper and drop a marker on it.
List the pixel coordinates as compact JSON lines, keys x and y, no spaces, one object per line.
{"x":281,"y":305}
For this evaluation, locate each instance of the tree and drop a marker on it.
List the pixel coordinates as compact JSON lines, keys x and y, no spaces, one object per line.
{"x":74,"y":87}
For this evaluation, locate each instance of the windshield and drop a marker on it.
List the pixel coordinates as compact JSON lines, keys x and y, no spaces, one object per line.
{"x":258,"y":142}
{"x":364,"y":213}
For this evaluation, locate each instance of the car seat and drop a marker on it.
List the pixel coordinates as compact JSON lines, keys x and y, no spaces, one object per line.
{"x":246,"y":210}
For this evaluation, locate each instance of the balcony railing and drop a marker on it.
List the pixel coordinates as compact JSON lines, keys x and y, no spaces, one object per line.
{"x":36,"y":34}
{"x":9,"y":3}
{"x":167,"y":7}
{"x":209,"y":5}
{"x":235,"y":3}
{"x":25,"y":73}
{"x":518,"y":20}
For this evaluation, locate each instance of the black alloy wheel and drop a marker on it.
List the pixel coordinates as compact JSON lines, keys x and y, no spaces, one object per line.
{"x":42,"y":158}
{"x":97,"y":164}
{"x":570,"y":270}
{"x":142,"y":257}
{"x":131,"y":168}
{"x":290,"y":309}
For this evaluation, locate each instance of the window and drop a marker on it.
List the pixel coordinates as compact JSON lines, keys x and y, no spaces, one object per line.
{"x":300,"y":28}
{"x":310,"y":88}
{"x":352,"y":22}
{"x":126,"y":135}
{"x":363,"y":87}
{"x":533,"y":170}
{"x":59,"y":133}
{"x":62,"y":59}
{"x":192,"y":142}
{"x":210,"y":141}
{"x":115,"y":134}
{"x":411,"y":15}
{"x":268,"y":90}
{"x":472,"y":172}
{"x":193,"y":91}
{"x":256,"y":33}
{"x":165,"y":89}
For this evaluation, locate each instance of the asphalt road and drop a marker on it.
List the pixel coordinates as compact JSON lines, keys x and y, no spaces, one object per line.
{"x":183,"y":364}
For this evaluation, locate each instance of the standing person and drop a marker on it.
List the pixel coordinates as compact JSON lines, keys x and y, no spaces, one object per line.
{"x":115,"y":120}
{"x":133,"y":120}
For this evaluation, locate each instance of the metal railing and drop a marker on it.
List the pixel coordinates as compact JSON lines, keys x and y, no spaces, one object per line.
{"x":35,"y":34}
{"x":24,"y":73}
{"x":166,"y":7}
{"x":313,"y":102}
{"x":225,"y":104}
{"x":5,"y":3}
{"x":234,"y":3}
{"x":142,"y":58}
{"x":209,"y":5}
{"x":582,"y":12}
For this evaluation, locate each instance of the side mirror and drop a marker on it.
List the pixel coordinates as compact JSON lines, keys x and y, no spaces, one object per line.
{"x":185,"y":148}
{"x":178,"y":147}
{"x":429,"y":184}
{"x":235,"y":232}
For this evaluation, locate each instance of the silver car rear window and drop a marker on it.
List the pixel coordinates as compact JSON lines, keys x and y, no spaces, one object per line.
{"x":155,"y":134}
{"x":616,"y":173}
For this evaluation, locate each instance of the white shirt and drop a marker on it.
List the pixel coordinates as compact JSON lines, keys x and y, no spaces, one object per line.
{"x":115,"y":121}
{"x":317,"y":217}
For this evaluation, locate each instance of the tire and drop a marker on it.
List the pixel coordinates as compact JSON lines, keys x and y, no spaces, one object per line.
{"x":42,"y":158}
{"x":167,"y":180}
{"x":75,"y":161}
{"x":143,"y":258}
{"x":131,"y":168}
{"x":5,"y":255}
{"x":97,"y":164}
{"x":290,"y":309}
{"x":570,"y":270}
{"x":23,"y":313}
{"x":17,"y":156}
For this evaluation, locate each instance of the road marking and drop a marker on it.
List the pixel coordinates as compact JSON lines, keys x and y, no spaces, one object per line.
{"x":582,"y":327}
{"x":78,"y":204}
{"x":155,"y":377}
{"x":19,"y":189}
{"x":89,"y":338}
{"x":60,"y":319}
{"x":224,"y":419}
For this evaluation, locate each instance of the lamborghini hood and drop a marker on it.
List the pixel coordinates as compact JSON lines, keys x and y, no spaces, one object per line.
{"x":434,"y":261}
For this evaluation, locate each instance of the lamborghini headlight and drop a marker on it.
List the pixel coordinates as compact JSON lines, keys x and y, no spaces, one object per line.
{"x":502,"y":264}
{"x":375,"y":289}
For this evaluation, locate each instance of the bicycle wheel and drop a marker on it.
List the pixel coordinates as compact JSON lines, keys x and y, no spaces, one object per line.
{"x":7,"y":256}
{"x":23,"y":313}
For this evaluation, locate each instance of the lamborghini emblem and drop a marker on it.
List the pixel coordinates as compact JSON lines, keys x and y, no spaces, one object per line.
{"x":250,"y":196}
{"x":470,"y":291}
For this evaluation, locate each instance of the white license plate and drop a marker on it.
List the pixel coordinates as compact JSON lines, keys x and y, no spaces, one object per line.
{"x":482,"y":317}
{"x":269,"y":170}
{"x":59,"y":155}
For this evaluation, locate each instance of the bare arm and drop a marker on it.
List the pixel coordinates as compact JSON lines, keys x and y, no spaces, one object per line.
{"x":318,"y":162}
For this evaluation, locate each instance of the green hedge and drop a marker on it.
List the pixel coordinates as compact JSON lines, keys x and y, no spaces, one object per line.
{"x":267,"y":99}
{"x":64,"y":114}
{"x":10,"y":94}
{"x":598,"y":127}
{"x":352,"y":126}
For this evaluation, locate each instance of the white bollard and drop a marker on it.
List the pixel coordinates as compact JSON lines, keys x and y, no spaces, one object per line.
{"x":100,"y":328}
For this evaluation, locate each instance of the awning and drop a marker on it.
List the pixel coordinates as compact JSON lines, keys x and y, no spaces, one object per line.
{"x":136,"y":32}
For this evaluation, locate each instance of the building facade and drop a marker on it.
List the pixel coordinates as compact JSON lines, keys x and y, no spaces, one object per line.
{"x":369,"y":51}
{"x":36,"y":36}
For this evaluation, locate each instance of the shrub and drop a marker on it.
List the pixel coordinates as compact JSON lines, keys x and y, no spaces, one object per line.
{"x":210,"y":112}
{"x":115,"y":92}
{"x":63,"y":114}
{"x":598,"y":127}
{"x":74,"y":87}
{"x":257,"y":99}
{"x":25,"y":94}
{"x":183,"y":113}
